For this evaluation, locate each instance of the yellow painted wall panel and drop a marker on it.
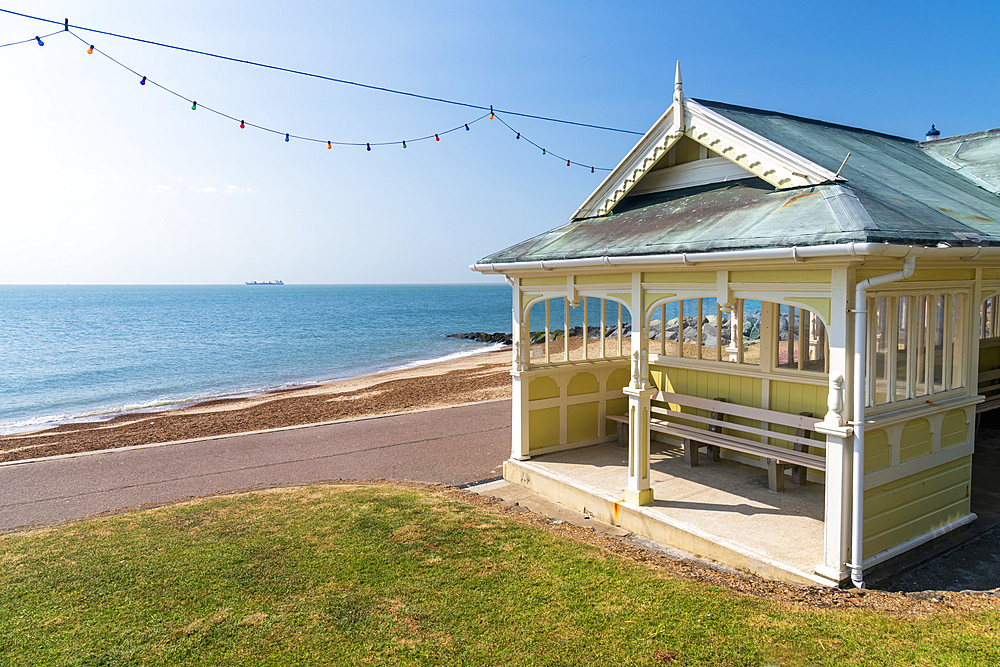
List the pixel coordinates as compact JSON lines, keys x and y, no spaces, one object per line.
{"x":614,"y":406}
{"x":878,"y":454}
{"x":542,"y":388}
{"x":618,"y":379}
{"x":919,"y":507}
{"x":583,"y":383}
{"x":915,"y":440}
{"x":788,"y":276}
{"x":912,"y":529}
{"x":526,"y":298}
{"x":617,"y":406}
{"x":921,"y":274}
{"x":603,"y":279}
{"x":543,"y":428}
{"x":907,"y":508}
{"x":682,"y":277}
{"x":581,"y":421}
{"x":624,"y":297}
{"x":954,"y":429}
{"x":649,"y":298}
{"x":991,"y":274}
{"x":885,"y":498}
{"x":794,"y":398}
{"x":543,"y":281}
{"x":819,"y":305}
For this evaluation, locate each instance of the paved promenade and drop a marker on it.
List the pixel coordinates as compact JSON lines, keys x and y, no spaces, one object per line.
{"x":452,"y":446}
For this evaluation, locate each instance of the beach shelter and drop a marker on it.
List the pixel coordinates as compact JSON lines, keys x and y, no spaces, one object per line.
{"x":781,"y":293}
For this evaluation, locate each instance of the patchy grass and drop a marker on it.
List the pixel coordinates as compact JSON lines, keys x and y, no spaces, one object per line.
{"x":385,"y":575}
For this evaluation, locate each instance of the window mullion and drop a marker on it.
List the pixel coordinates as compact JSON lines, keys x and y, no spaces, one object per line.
{"x":738,"y":314}
{"x":680,"y":327}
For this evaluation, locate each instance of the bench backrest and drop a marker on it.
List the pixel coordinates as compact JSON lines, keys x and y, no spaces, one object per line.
{"x":989,"y":380}
{"x":806,"y":424}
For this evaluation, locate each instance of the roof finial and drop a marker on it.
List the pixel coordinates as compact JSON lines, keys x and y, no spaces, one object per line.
{"x":679,"y":126}
{"x":933,"y":133}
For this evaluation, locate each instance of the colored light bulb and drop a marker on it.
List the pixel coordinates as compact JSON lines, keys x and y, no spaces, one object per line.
{"x":194,"y":106}
{"x":329,"y":144}
{"x":592,"y":170}
{"x":404,"y":144}
{"x":286,"y":137}
{"x":39,"y":40}
{"x":518,"y":136}
{"x":567,"y":163}
{"x":369,"y":146}
{"x":142,"y":82}
{"x":91,"y":50}
{"x":242,"y":126}
{"x":543,"y":151}
{"x":437,"y":138}
{"x":491,"y":112}
{"x":466,"y":127}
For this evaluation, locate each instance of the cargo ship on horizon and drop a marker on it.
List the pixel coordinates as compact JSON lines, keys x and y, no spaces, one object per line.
{"x":266,"y":282}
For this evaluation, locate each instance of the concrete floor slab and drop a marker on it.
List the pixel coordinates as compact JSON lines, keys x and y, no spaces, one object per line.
{"x":721,"y":510}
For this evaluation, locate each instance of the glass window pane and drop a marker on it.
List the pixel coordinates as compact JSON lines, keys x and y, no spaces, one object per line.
{"x":939,"y":313}
{"x":751,"y":331}
{"x":958,"y":342}
{"x":902,"y":377}
{"x":709,"y":330}
{"x":785,"y":348}
{"x":691,"y":328}
{"x":814,"y":336}
{"x":921,"y":388}
{"x":881,"y":332}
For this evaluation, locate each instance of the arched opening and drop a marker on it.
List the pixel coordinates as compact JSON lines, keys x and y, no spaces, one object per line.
{"x":595,"y":328}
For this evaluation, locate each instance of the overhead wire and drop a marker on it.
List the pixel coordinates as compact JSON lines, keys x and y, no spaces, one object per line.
{"x":194,"y":106}
{"x":346,"y":82}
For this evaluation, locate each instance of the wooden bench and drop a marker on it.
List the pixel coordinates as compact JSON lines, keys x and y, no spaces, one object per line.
{"x":718,"y":433}
{"x":989,"y":386}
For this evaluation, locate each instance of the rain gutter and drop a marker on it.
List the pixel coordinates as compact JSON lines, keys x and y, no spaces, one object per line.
{"x":860,"y":367}
{"x":795,"y":253}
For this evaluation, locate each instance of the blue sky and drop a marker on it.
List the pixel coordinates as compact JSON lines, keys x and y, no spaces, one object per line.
{"x":106,"y":181}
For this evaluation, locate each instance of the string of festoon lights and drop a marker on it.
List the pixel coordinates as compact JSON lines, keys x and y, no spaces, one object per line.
{"x":491,"y":114}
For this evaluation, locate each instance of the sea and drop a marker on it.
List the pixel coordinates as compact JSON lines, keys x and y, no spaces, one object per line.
{"x":86,"y":353}
{"x":71,"y":353}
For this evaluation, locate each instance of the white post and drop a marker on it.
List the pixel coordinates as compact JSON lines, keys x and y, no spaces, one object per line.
{"x":637,"y":489}
{"x":519,"y":388}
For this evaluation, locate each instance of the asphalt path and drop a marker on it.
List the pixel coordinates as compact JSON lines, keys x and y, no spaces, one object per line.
{"x":454,"y":446}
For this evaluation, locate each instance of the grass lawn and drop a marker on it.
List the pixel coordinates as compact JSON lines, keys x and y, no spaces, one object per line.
{"x":387,"y":575}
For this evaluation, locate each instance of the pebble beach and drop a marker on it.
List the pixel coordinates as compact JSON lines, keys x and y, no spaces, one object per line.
{"x":471,"y":379}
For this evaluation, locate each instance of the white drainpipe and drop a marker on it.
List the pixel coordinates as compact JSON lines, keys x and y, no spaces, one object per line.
{"x":860,"y":361}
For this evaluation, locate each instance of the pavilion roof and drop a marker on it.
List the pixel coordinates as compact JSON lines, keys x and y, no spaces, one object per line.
{"x":892,"y":190}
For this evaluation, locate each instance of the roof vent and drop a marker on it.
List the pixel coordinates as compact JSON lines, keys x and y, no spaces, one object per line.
{"x":933,"y":133}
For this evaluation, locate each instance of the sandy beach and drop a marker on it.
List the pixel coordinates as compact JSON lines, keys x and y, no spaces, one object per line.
{"x":470,"y":379}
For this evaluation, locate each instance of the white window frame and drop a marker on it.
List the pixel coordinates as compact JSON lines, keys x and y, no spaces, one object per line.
{"x":918,"y":337}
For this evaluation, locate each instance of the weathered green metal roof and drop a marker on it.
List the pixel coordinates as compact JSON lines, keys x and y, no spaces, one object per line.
{"x":977,"y":154}
{"x":897,"y":191}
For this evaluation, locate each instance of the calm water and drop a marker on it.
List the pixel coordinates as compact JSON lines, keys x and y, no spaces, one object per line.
{"x":90,"y":352}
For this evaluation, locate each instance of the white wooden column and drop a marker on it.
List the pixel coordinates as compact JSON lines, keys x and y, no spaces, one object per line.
{"x":637,"y":489}
{"x":519,"y":388}
{"x":839,"y":443}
